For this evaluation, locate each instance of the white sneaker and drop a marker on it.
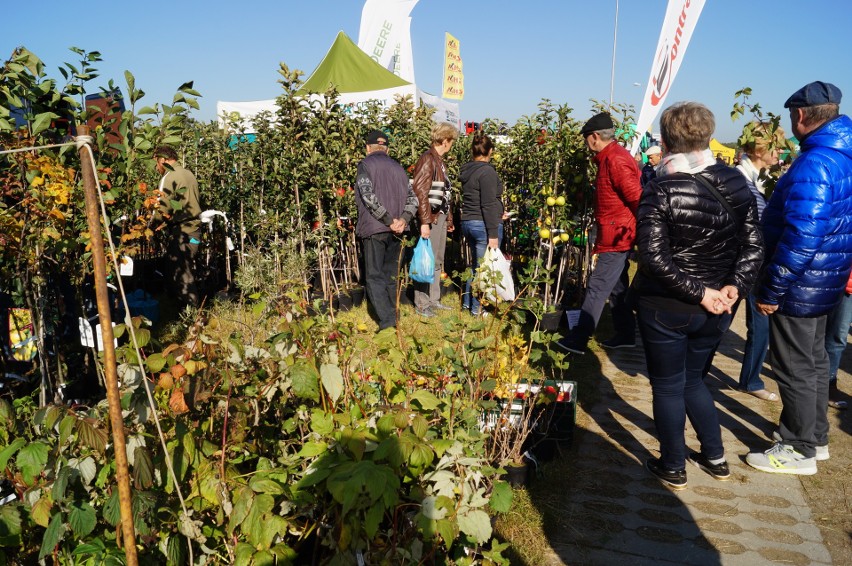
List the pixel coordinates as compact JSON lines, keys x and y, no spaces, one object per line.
{"x":782,"y":459}
{"x":821,"y":451}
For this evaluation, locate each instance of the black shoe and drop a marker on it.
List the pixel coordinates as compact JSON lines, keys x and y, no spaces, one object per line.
{"x":618,"y":342}
{"x":718,"y":471}
{"x":673,"y":478}
{"x":570,"y":346}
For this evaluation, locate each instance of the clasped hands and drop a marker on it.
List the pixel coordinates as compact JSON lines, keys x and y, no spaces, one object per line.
{"x":719,"y":301}
{"x":398,"y":226}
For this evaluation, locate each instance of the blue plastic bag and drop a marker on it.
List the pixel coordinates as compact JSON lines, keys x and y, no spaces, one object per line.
{"x":422,"y":267}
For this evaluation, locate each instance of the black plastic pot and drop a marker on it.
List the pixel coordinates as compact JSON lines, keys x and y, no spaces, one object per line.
{"x":550,"y":321}
{"x":357,"y":294}
{"x":517,"y":475}
{"x":343,"y":302}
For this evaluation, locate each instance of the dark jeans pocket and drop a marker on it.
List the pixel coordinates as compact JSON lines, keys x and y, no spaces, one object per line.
{"x":672,"y":320}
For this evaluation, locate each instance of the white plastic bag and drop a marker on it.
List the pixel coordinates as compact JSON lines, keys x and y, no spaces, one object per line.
{"x":494,"y":277}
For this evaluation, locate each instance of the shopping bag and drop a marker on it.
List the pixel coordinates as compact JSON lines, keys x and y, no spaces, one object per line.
{"x":494,"y":277}
{"x":422,"y":267}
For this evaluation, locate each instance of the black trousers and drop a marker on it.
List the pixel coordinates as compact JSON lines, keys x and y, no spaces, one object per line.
{"x":800,"y":366}
{"x":180,"y":266}
{"x":381,"y":274}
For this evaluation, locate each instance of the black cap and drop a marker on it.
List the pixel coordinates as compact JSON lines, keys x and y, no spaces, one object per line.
{"x":376,"y":137}
{"x":602,"y":121}
{"x":814,"y":94}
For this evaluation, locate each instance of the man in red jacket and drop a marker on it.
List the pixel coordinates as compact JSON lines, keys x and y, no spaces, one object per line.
{"x":618,"y":189}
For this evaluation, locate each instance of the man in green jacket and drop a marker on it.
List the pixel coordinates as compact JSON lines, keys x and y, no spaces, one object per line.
{"x":179,"y":215}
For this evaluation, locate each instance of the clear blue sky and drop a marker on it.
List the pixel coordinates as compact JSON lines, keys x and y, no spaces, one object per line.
{"x":515,"y":52}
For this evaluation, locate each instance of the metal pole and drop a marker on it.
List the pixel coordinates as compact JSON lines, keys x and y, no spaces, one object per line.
{"x":110,"y":373}
{"x":614,"y":41}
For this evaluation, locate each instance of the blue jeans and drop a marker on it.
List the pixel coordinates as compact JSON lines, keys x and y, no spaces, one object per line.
{"x":610,"y":280}
{"x":756,"y":347}
{"x":477,"y":242}
{"x":678,"y":347}
{"x":836,"y":333}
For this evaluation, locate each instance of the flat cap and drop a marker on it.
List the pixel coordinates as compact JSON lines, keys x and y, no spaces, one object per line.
{"x":814,"y":94}
{"x":653,"y":150}
{"x":602,"y":121}
{"x":376,"y":137}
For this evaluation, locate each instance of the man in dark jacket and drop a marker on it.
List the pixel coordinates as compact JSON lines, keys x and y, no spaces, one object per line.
{"x":807,"y":226}
{"x":616,"y":197}
{"x":386,"y":204}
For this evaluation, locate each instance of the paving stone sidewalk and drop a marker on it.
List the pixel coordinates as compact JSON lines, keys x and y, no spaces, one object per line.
{"x":617,"y":513}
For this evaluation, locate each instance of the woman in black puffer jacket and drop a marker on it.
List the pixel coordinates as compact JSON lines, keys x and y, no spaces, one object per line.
{"x":697,"y":257}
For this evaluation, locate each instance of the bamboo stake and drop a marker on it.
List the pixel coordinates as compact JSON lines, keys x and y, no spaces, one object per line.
{"x":111,"y":378}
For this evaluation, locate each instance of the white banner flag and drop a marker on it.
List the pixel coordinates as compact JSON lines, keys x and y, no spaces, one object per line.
{"x":681,"y":17}
{"x":385,"y":35}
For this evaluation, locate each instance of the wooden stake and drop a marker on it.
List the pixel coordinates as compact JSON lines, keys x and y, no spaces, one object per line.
{"x":110,"y":371}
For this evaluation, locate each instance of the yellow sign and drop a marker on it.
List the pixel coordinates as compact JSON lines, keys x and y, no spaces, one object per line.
{"x":453,"y":76}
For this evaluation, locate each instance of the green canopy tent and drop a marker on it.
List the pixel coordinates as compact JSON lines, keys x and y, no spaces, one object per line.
{"x":352,"y":72}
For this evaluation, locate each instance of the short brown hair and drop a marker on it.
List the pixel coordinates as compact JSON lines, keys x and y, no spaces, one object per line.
{"x":166,"y":152}
{"x":444,"y":131}
{"x":481,"y":145}
{"x":686,"y":127}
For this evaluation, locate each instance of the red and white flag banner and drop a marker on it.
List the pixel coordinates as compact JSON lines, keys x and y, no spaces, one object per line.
{"x":681,"y":17}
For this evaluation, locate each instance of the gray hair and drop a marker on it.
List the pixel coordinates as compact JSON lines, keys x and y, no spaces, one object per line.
{"x":607,"y":134}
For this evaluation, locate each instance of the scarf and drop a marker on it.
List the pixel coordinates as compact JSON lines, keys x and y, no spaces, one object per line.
{"x":691,"y":162}
{"x":751,"y":173}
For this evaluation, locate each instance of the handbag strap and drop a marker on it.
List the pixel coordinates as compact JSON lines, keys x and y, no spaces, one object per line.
{"x":715,"y":192}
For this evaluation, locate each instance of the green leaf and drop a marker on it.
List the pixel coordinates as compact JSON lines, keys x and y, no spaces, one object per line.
{"x":52,"y":536}
{"x":426,"y":399}
{"x":322,"y":422}
{"x":96,"y":546}
{"x":501,"y":497}
{"x":60,"y":484}
{"x":373,"y":518}
{"x":260,"y":484}
{"x":332,"y":380}
{"x":9,"y":451}
{"x":305,"y":381}
{"x":31,"y":460}
{"x":476,"y":524}
{"x":242,"y":556}
{"x":311,"y":449}
{"x":42,"y":122}
{"x":155,"y":362}
{"x":112,"y":510}
{"x":176,"y":550}
{"x":66,"y":428}
{"x":10,"y":525}
{"x":448,"y":531}
{"x":252,"y":527}
{"x":82,"y":519}
{"x":243,"y":498}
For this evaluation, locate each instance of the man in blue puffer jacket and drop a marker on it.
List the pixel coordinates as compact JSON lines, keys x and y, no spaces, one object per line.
{"x":807,"y":228}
